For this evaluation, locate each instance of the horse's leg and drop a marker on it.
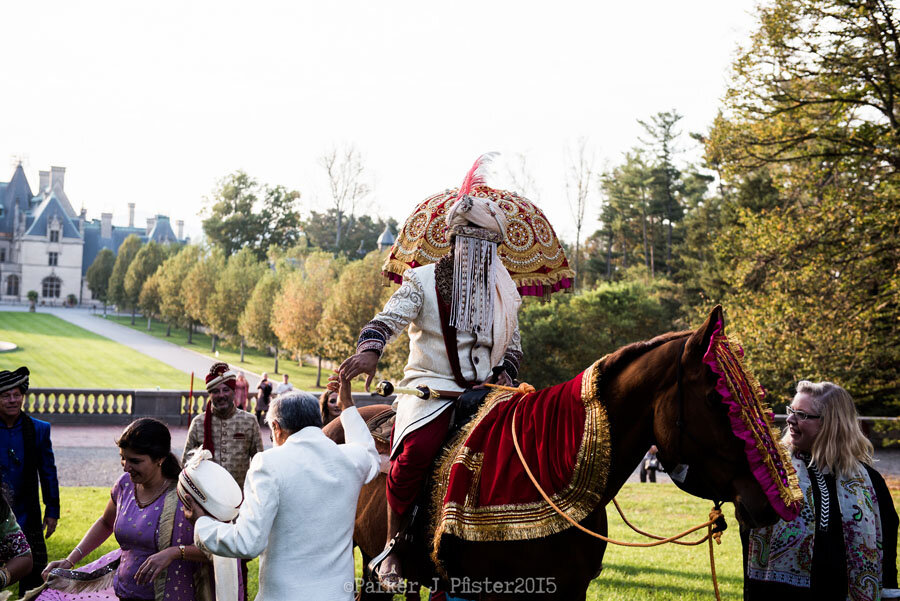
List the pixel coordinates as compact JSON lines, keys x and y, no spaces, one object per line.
{"x":370,"y":528}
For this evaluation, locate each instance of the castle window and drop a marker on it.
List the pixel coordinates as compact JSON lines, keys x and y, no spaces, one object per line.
{"x":12,"y":285}
{"x":54,"y":235}
{"x":2,"y":255}
{"x":50,"y":287}
{"x":52,"y":259}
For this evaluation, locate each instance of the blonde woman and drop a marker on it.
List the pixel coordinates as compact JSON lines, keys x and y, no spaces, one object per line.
{"x":843,"y":545}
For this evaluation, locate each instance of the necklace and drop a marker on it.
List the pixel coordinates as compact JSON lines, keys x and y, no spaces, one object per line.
{"x":156,"y":494}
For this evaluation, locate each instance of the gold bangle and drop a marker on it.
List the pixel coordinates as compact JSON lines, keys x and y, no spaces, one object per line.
{"x":181,"y":548}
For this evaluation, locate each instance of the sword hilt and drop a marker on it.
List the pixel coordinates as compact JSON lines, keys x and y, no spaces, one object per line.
{"x":386,"y":388}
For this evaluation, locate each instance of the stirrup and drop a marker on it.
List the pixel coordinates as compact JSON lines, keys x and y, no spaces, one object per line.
{"x":376,"y":561}
{"x":388,"y":549}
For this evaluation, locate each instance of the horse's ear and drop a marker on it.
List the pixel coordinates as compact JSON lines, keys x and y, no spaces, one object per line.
{"x":699,"y":340}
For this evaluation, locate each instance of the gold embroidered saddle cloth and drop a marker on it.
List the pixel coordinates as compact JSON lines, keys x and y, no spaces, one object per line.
{"x":483,"y":492}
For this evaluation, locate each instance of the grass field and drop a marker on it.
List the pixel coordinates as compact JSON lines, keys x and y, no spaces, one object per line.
{"x":62,"y":355}
{"x":303,"y":377}
{"x":662,"y":573}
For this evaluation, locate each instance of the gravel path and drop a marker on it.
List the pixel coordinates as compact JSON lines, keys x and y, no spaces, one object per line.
{"x":88,"y":456}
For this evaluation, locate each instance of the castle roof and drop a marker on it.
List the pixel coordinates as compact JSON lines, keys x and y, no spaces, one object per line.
{"x":52,"y":207}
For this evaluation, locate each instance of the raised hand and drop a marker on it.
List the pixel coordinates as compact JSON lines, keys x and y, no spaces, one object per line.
{"x":360,"y":363}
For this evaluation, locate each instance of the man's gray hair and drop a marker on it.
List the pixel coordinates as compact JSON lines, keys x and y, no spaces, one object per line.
{"x":294,"y":411}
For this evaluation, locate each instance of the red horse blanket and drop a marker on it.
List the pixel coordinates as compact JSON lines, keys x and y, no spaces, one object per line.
{"x":563,"y":431}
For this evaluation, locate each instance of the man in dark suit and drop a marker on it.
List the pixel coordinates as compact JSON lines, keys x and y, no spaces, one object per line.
{"x":26,"y":459}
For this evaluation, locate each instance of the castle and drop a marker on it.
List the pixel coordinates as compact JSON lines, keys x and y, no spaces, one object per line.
{"x":46,"y":247}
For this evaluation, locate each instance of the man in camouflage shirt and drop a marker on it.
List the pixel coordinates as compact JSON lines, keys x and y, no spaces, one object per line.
{"x":232,"y":435}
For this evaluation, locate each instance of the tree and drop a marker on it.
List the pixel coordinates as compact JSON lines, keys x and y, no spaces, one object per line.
{"x":579,"y":180}
{"x":346,"y":184}
{"x":233,"y":286}
{"x":244,"y":214}
{"x":359,"y":232}
{"x":255,"y":323}
{"x":127,"y":251}
{"x":145,"y":263}
{"x":809,"y":134}
{"x":297,"y":311}
{"x":98,"y":275}
{"x":359,"y":295}
{"x":594,"y":323}
{"x":628,"y":216}
{"x":817,"y":82}
{"x":173,"y":272}
{"x":149,"y":299}
{"x":663,"y":137}
{"x":198,"y":286}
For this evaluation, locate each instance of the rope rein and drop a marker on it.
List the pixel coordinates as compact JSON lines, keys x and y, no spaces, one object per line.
{"x":714,"y":515}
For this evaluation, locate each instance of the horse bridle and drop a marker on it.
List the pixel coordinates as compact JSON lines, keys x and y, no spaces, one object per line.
{"x":679,"y":472}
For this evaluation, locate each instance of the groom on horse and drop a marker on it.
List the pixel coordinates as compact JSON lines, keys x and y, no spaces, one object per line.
{"x":461,"y":313}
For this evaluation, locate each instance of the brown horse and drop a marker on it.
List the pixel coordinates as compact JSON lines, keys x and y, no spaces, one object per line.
{"x":655,"y":392}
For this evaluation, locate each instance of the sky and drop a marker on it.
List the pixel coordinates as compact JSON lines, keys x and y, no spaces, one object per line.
{"x":154,"y":102}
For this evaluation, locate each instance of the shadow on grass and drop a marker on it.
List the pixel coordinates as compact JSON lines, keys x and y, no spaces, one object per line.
{"x":633,"y":570}
{"x":676,"y":592}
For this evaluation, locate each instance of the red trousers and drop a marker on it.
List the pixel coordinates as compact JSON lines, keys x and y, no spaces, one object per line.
{"x":416,"y":456}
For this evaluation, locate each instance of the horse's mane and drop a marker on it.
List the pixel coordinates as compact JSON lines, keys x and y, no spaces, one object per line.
{"x":616,"y":361}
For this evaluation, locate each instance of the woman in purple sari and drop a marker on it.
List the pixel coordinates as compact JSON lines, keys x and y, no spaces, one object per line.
{"x":157,"y":559}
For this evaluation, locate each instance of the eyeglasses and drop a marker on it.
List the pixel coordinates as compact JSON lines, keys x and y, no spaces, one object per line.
{"x":802,"y":415}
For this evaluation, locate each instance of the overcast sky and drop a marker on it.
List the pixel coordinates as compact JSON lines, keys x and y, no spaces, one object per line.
{"x":153,"y":102}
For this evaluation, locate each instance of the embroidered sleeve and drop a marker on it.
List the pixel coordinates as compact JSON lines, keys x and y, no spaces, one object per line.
{"x":512,"y":360}
{"x":12,"y":541}
{"x":403,"y":307}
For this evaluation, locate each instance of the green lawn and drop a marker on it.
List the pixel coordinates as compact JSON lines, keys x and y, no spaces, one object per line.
{"x":666,"y":572}
{"x":303,"y":377}
{"x":62,"y":355}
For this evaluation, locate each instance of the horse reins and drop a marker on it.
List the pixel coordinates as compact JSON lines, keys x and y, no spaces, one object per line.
{"x":714,"y":515}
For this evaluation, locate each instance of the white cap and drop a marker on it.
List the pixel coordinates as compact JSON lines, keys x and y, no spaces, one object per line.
{"x":210,"y":485}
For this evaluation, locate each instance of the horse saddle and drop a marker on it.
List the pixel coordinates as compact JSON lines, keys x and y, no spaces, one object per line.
{"x":380,"y":426}
{"x":464,"y":409}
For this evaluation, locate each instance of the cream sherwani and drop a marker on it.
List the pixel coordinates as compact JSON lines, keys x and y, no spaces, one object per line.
{"x":298,"y":513}
{"x":415,"y":305}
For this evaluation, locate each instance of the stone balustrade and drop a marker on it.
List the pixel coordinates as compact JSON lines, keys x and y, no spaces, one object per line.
{"x":83,"y":406}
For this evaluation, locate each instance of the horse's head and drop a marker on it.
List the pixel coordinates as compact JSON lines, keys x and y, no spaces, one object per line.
{"x":714,"y":434}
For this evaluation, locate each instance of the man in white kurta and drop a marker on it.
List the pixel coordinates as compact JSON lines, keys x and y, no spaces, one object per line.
{"x":305,"y":552}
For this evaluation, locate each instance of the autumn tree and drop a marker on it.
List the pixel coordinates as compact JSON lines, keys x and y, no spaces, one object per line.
{"x":145,"y":263}
{"x":255,"y":323}
{"x":358,"y":296}
{"x":233,"y":286}
{"x":150,"y":299}
{"x":127,"y":251}
{"x":298,"y":309}
{"x":173,"y":272}
{"x":98,"y":275}
{"x":198,"y":286}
